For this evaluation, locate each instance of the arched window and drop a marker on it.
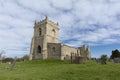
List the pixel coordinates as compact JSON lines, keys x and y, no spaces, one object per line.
{"x":53,"y":31}
{"x":40,"y":31}
{"x":53,"y":49}
{"x":39,"y":49}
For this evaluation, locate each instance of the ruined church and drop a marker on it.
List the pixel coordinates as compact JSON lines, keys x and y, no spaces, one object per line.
{"x":45,"y":43}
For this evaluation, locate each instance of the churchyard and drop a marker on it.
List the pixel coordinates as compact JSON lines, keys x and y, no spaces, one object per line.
{"x":58,"y":70}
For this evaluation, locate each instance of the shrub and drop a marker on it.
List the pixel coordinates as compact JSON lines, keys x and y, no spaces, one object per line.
{"x":115,"y":54}
{"x":103,"y":59}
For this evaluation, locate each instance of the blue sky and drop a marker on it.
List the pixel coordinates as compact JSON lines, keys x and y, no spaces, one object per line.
{"x":92,"y":22}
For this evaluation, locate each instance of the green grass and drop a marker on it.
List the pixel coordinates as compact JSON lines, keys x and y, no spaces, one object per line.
{"x":57,"y":70}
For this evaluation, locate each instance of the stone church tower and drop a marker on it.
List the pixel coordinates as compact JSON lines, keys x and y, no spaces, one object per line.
{"x":45,"y":32}
{"x":45,"y":43}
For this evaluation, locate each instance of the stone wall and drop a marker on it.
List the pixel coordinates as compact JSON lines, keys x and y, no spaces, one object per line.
{"x":52,"y":32}
{"x":66,"y":51}
{"x":85,"y":51}
{"x":54,"y":50}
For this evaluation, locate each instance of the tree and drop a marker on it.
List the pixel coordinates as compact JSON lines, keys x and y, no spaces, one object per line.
{"x":25,"y":57}
{"x":103,"y":59}
{"x":115,"y":54}
{"x":8,"y":59}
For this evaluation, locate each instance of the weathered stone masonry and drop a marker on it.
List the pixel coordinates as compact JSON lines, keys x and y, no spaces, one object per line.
{"x":45,"y":43}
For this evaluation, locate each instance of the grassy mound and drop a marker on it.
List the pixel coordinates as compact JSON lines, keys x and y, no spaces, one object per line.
{"x":57,"y":70}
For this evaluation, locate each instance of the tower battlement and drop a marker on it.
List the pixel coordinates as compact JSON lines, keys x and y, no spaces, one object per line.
{"x":46,"y":20}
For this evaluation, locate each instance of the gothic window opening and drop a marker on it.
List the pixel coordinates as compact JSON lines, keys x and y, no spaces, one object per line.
{"x":53,"y":31}
{"x":40,"y":31}
{"x":39,"y":49}
{"x":53,"y":49}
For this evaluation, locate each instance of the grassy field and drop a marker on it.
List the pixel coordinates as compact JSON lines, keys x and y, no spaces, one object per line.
{"x":57,"y":70}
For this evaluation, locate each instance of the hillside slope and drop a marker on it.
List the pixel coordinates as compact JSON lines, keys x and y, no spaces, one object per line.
{"x":57,"y":70}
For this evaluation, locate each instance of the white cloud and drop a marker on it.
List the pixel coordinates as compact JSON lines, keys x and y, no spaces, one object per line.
{"x":93,"y":22}
{"x":64,"y":5}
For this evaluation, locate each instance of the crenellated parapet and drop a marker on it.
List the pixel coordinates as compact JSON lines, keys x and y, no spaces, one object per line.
{"x":45,"y":21}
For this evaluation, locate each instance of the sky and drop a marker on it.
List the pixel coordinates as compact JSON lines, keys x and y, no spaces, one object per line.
{"x":92,"y":22}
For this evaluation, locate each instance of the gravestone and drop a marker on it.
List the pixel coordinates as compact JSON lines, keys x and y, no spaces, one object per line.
{"x":13,"y":64}
{"x":116,"y":60}
{"x":65,"y":60}
{"x":103,"y":61}
{"x":77,"y":60}
{"x":71,"y":58}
